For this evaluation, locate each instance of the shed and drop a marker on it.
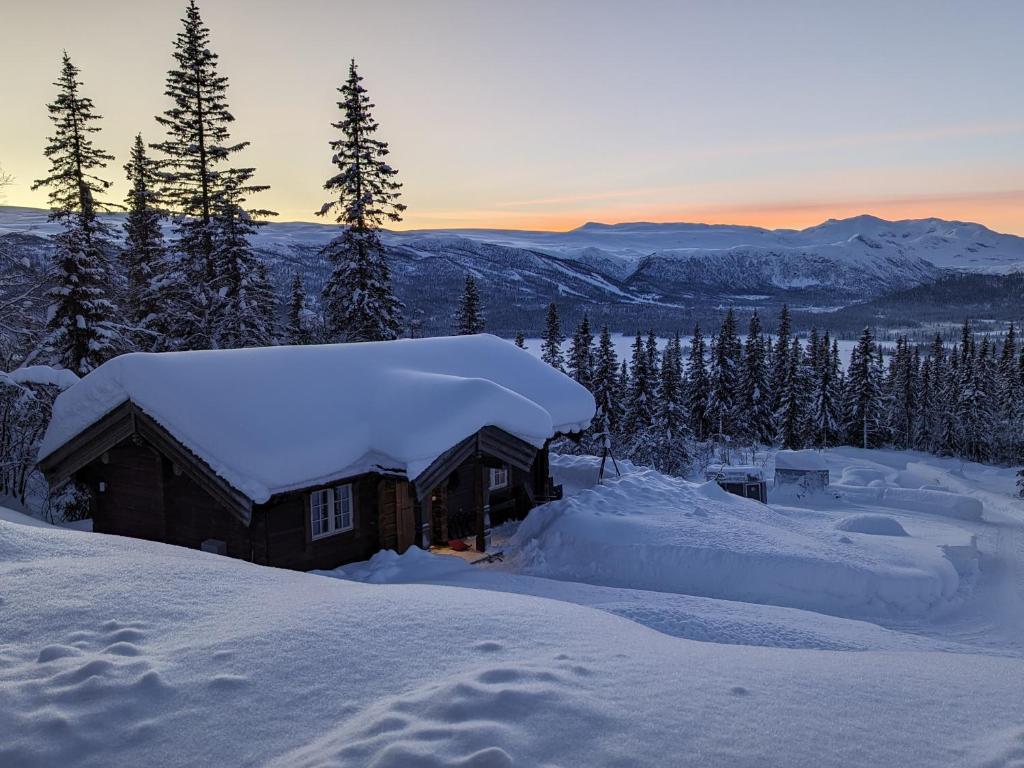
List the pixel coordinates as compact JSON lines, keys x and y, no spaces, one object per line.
{"x":313,"y":456}
{"x":806,"y":469}
{"x":746,"y":481}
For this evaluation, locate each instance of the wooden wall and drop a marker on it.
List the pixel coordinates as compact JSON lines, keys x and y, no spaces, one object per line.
{"x":147,"y":497}
{"x":289,"y":540}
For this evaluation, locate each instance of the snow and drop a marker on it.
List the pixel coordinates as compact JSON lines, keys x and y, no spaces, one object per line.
{"x":873,"y":525}
{"x":61,"y":378}
{"x":146,"y":654}
{"x":800,"y":460}
{"x":648,"y":531}
{"x":274,"y":419}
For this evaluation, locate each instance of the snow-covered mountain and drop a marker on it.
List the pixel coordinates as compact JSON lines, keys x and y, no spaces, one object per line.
{"x":662,"y":266}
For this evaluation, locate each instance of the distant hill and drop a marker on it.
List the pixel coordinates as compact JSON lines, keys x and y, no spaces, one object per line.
{"x":637,"y":274}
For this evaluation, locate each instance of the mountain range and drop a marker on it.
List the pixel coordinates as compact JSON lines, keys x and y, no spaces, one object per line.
{"x":635,"y":273}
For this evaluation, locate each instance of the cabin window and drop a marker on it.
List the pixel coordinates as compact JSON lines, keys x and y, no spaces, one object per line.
{"x":330,"y":511}
{"x":499,"y":478}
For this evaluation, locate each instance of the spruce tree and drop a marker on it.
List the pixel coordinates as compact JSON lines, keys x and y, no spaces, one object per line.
{"x":296,"y":331}
{"x":551,"y":343}
{"x":469,"y":319}
{"x":144,"y":256}
{"x":359,"y":302}
{"x":792,"y":414}
{"x":605,"y":387}
{"x":244,"y":315}
{"x":581,"y":354}
{"x":640,"y":404}
{"x":725,"y":379}
{"x":864,"y":416}
{"x":520,"y":340}
{"x":826,"y":415}
{"x":206,"y":196}
{"x":698,"y":386}
{"x":82,"y":332}
{"x":756,"y":421}
{"x":778,"y":365}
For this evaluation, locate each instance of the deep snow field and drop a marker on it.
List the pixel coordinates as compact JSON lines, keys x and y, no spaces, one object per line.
{"x":646,"y":621}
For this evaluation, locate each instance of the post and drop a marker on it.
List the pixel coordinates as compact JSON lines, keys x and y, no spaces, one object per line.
{"x":478,"y":503}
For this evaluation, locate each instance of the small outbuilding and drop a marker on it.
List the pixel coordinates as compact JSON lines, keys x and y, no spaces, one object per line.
{"x":314,"y":456}
{"x":806,"y":469}
{"x":746,"y":481}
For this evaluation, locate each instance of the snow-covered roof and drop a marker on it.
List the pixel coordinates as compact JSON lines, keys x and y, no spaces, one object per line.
{"x":802,"y":460}
{"x":734,"y":473}
{"x":273,"y":419}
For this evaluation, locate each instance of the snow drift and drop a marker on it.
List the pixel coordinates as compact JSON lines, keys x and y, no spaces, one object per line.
{"x":649,"y":531}
{"x":274,"y":419}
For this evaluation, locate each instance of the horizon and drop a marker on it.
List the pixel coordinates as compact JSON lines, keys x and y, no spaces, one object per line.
{"x":43,"y":209}
{"x":857,"y":117}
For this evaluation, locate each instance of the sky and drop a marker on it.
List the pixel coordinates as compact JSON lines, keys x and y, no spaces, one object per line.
{"x":546,"y":114}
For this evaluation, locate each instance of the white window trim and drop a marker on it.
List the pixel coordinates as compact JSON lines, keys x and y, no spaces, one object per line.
{"x":498,"y":478}
{"x":330,"y":495}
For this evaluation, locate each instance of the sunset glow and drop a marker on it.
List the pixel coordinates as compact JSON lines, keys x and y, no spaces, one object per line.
{"x":779,"y":116}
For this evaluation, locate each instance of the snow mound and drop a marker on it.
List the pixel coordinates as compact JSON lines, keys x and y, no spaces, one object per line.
{"x":806,"y":460}
{"x":942,"y":503}
{"x":274,"y":419}
{"x":875,"y":525}
{"x":652,"y":532}
{"x":389,"y":567}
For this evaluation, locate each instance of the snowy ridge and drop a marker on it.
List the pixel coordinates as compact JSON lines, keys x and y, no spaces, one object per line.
{"x":275,"y":419}
{"x":839,"y":260}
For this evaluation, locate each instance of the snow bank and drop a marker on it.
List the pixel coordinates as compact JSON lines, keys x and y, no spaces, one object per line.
{"x":211,"y":661}
{"x":805,"y":460}
{"x":61,"y":378}
{"x":278,"y":418}
{"x":653,"y":532}
{"x":875,"y":525}
{"x":943,"y":503}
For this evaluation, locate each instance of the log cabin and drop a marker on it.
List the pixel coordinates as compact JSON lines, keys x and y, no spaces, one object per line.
{"x":315,"y":456}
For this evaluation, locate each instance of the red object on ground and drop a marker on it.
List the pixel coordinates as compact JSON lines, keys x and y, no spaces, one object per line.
{"x":458,"y":545}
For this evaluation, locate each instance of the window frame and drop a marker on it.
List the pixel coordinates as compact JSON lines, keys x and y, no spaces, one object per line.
{"x":502,"y":472}
{"x":325,"y":501}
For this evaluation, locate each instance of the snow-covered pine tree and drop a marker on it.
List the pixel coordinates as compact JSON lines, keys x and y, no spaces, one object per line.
{"x":640,"y":404}
{"x":792,"y":418}
{"x":143,"y":256}
{"x":698,"y":386}
{"x":902,"y":395}
{"x":245,"y":313}
{"x":756,"y":422}
{"x":581,"y":354}
{"x":1010,"y":408}
{"x":863,"y":418}
{"x":200,"y":190}
{"x":520,"y":340}
{"x":82,"y":331}
{"x":666,"y":445}
{"x":359,"y":302}
{"x":826,"y":415}
{"x":296,"y":331}
{"x":725,"y":379}
{"x":470,"y":317}
{"x":778,"y":363}
{"x":551,"y":342}
{"x":933,"y":414}
{"x":653,"y":355}
{"x":605,"y":388}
